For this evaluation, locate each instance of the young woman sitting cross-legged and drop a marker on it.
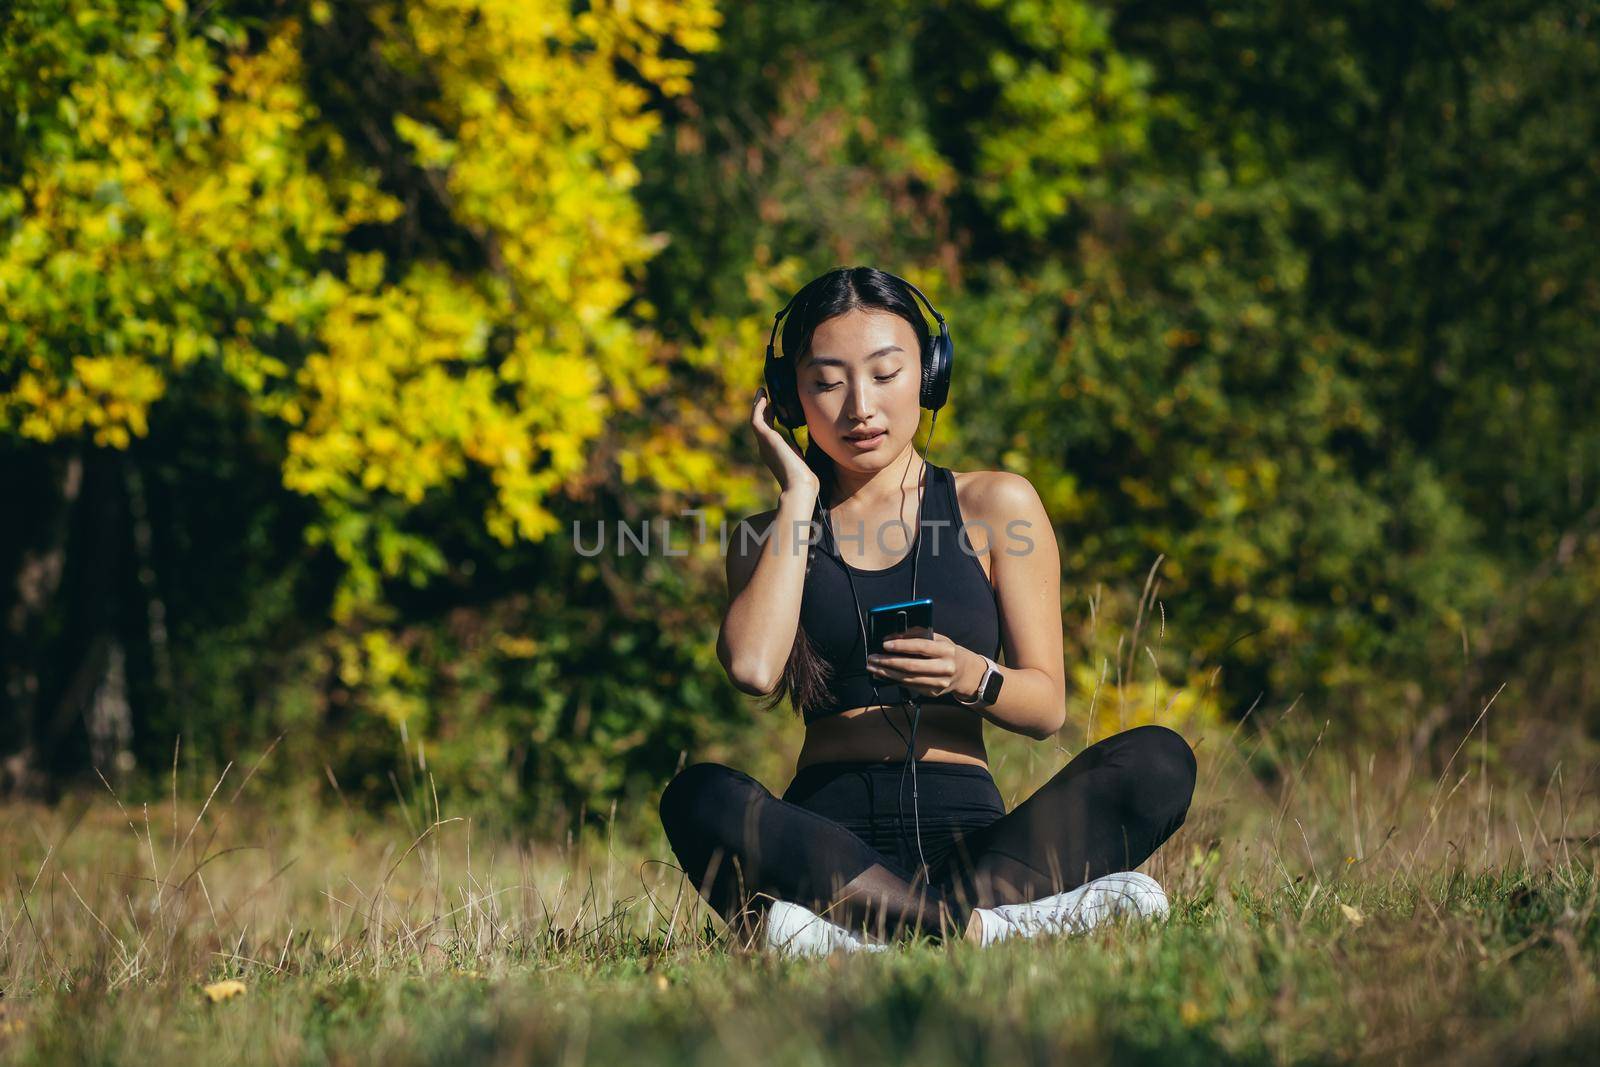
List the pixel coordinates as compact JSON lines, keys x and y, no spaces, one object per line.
{"x":845,"y":858}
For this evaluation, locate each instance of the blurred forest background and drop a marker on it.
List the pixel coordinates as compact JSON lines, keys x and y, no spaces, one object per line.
{"x":323,"y":324}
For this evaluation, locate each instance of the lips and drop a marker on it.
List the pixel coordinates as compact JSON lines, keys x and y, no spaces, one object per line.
{"x":865,"y":436}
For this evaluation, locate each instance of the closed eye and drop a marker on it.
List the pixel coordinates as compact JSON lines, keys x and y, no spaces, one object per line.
{"x":824,"y":387}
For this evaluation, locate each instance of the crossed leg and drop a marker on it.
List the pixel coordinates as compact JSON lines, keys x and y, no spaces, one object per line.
{"x":736,"y":842}
{"x":1107,"y":810}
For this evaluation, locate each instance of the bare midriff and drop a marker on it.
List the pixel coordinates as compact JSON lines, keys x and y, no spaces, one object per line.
{"x":944,"y":734}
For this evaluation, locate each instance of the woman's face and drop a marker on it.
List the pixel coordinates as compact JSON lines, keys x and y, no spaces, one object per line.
{"x":863,"y":374}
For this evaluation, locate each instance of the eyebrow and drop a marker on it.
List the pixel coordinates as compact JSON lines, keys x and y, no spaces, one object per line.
{"x":828,"y":361}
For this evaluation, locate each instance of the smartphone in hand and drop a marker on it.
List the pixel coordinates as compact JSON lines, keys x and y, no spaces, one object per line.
{"x":887,"y":620}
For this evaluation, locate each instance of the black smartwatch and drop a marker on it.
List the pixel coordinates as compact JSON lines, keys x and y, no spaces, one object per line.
{"x":988,"y":687}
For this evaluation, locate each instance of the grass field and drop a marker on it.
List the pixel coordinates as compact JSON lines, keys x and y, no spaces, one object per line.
{"x":1327,"y":907}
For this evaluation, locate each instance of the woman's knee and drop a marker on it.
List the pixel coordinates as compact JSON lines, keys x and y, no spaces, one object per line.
{"x":698,"y":790}
{"x":1164,"y":766}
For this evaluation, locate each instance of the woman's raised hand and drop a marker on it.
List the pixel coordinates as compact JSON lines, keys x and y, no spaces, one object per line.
{"x":782,"y":459}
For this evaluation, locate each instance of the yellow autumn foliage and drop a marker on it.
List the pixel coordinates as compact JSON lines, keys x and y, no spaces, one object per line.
{"x":192,"y":212}
{"x":124,"y":245}
{"x":1110,"y":708}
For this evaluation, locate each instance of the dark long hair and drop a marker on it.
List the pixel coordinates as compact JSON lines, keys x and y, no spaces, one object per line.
{"x":806,"y":675}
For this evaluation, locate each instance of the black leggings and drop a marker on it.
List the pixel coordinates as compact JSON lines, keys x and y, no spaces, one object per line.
{"x":834,"y":844}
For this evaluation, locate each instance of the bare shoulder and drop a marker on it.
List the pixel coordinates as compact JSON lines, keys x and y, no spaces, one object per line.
{"x":760,"y":522}
{"x":744,"y":548}
{"x":997,"y":497}
{"x":750,"y":533}
{"x":1011,"y":519}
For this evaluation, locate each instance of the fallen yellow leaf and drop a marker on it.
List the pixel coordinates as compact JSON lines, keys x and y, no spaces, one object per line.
{"x":229,"y":987}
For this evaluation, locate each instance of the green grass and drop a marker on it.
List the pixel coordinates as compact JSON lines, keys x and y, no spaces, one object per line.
{"x":1359,"y":908}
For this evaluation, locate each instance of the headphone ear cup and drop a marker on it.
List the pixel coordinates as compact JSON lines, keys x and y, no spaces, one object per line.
{"x":936,"y":373}
{"x":790,"y":411}
{"x":780,"y":397}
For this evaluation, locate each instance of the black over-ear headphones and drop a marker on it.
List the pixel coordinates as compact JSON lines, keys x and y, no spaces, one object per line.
{"x":784,"y":398}
{"x":783,"y":386}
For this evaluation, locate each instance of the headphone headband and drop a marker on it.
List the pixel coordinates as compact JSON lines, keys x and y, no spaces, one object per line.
{"x":785,"y":310}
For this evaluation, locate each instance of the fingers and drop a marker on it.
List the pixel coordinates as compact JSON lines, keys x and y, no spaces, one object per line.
{"x":907,"y":667}
{"x":927,"y":685}
{"x":932,"y":677}
{"x":761,"y":414}
{"x":936,"y":645}
{"x":916,"y":661}
{"x":907,"y":663}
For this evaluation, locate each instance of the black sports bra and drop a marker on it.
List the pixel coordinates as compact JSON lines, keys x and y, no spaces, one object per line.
{"x":965,"y":607}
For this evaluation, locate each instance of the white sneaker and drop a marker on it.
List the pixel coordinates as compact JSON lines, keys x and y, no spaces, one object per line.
{"x":1078,"y":910}
{"x":793,"y":930}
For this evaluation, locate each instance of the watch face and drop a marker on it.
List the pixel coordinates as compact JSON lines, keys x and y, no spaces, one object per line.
{"x":991,"y":691}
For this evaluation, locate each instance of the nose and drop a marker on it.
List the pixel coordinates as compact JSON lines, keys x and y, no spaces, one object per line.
{"x":859,"y":407}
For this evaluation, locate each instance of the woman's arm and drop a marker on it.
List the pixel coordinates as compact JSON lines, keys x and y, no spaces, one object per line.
{"x":1026,"y":566}
{"x":766,"y":578}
